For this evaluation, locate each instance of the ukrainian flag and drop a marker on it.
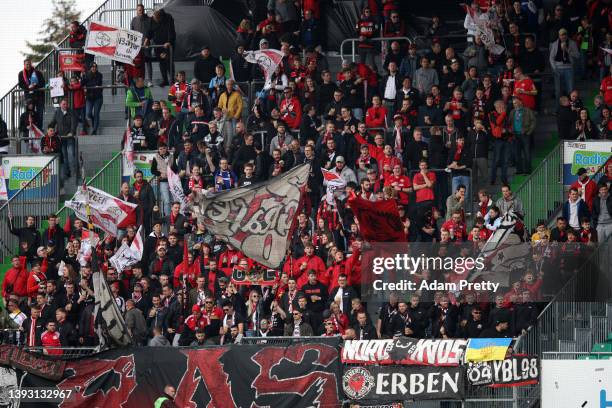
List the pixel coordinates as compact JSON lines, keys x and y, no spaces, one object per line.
{"x":487,"y":349}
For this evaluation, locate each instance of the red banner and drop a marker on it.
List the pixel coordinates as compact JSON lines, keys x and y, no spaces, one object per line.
{"x":72,"y":62}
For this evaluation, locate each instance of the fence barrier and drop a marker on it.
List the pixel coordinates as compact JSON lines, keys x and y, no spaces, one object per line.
{"x":354,"y":41}
{"x":542,"y":191}
{"x":49,"y":65}
{"x":108,"y":179}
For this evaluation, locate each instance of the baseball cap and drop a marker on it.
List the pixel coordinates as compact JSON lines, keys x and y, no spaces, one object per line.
{"x":50,"y":243}
{"x":562,"y":31}
{"x":263,"y":41}
{"x":454,"y":60}
{"x":195,"y":81}
{"x":398,"y":116}
{"x":339,"y":159}
{"x":195,"y":308}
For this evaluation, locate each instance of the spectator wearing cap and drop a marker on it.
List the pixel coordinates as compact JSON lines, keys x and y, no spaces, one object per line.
{"x":501,"y":328}
{"x":563,"y":53}
{"x":586,"y":187}
{"x":342,"y":170}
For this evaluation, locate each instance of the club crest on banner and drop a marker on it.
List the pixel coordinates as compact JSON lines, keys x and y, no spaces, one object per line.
{"x":357,"y":382}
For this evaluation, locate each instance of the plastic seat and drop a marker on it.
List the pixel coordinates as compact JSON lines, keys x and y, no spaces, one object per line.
{"x":602,"y":347}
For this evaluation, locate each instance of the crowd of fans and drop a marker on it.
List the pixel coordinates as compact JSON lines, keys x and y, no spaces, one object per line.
{"x":422,"y":133}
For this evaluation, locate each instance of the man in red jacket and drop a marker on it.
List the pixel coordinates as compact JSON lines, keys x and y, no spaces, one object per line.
{"x":307,"y":262}
{"x":51,"y":339}
{"x":37,"y":278}
{"x":376,"y":114}
{"x":291,"y":109}
{"x":16,"y":279}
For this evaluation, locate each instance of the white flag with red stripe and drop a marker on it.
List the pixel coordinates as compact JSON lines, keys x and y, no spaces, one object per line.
{"x":112,"y":42}
{"x":128,"y":256}
{"x":35,"y":134}
{"x":334,"y":182}
{"x":268,"y":61}
{"x":107,"y":212}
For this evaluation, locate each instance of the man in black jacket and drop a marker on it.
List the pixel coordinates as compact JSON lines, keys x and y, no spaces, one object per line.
{"x":33,"y":327}
{"x":65,"y":123}
{"x":28,"y":234}
{"x":68,"y":335}
{"x":54,"y":233}
{"x":162,"y":33}
{"x":33,"y":83}
{"x":364,"y":328}
{"x":204,"y":67}
{"x":143,"y":192}
{"x":240,"y":67}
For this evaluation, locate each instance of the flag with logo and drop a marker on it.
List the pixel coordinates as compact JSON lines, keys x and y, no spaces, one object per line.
{"x":487,"y":349}
{"x":334,"y":183}
{"x":116,"y":43}
{"x":176,"y":189}
{"x":256,"y":219}
{"x":107,"y":212}
{"x":127,"y":256}
{"x":268,"y":61}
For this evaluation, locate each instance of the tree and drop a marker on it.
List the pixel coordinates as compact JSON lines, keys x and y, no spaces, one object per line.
{"x":54,"y":29}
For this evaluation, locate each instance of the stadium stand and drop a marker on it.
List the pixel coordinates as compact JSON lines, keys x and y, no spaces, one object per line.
{"x":459,"y":131}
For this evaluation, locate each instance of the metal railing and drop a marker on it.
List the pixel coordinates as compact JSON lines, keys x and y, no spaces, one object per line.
{"x":18,"y":100}
{"x":38,"y":197}
{"x":542,"y":191}
{"x":579,"y":315}
{"x":49,"y":65}
{"x":108,"y":179}
{"x":354,"y":41}
{"x":124,"y":15}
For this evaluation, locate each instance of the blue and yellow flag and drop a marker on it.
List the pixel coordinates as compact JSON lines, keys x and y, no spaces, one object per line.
{"x":487,"y":349}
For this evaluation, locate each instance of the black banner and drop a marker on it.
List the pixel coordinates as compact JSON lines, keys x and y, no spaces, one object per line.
{"x":300,"y":375}
{"x":405,"y":350}
{"x":31,"y":363}
{"x":511,"y":372}
{"x":393,"y":383}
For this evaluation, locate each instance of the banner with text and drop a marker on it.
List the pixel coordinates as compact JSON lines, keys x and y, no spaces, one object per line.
{"x":591,"y":155}
{"x":405,"y":350}
{"x":511,"y":372}
{"x":19,"y":170}
{"x":300,"y":375}
{"x":393,"y":383}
